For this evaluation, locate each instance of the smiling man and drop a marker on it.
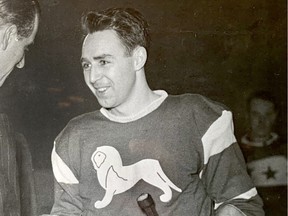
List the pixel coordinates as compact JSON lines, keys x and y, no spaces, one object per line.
{"x":179,"y":149}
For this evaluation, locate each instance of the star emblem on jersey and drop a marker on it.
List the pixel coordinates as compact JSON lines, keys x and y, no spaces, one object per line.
{"x":270,"y":173}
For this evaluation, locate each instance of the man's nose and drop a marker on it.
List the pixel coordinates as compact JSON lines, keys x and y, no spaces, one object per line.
{"x":263,"y":120}
{"x":95,"y":75}
{"x":21,"y":63}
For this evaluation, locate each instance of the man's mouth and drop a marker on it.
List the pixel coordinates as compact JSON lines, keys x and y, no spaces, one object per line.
{"x":102,"y":89}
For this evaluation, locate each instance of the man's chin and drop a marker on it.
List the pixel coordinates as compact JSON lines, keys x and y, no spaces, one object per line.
{"x":262,"y":135}
{"x":106,"y":106}
{"x":263,"y":132}
{"x":105,"y":103}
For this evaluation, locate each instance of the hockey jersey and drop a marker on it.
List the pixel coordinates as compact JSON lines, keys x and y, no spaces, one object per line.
{"x":180,"y":149}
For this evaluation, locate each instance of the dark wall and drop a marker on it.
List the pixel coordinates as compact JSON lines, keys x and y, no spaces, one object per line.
{"x":222,"y":49}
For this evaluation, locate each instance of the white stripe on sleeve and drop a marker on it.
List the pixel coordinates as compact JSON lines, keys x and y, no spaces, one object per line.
{"x":219,"y":136}
{"x":61,"y":171}
{"x":246,"y":196}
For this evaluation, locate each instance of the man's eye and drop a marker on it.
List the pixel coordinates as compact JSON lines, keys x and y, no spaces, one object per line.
{"x":103,"y":62}
{"x":85,"y":66}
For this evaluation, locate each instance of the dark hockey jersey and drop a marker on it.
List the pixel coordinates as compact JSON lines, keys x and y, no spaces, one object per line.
{"x":180,"y":149}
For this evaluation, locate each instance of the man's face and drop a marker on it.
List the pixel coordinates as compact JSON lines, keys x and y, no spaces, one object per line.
{"x":108,"y":71}
{"x":14,"y":54}
{"x":262,"y":117}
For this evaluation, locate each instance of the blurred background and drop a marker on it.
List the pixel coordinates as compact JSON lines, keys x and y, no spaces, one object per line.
{"x":222,"y":49}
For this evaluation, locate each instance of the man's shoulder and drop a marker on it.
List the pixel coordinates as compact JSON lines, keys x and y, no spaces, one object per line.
{"x":201,"y":111}
{"x":83,"y":118}
{"x":280,"y":146}
{"x":255,"y":151}
{"x":196,"y":103}
{"x":79,"y":123}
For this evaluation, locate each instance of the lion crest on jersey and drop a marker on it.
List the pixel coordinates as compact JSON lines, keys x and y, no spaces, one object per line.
{"x":116,"y":178}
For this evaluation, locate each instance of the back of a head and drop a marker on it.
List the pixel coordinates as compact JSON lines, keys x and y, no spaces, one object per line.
{"x":21,"y":13}
{"x":128,"y":23}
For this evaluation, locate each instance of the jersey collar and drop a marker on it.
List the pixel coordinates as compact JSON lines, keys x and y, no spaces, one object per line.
{"x":145,"y":111}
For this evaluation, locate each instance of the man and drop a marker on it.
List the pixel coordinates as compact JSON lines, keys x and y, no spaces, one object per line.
{"x":18,"y":26}
{"x":266,"y":153}
{"x":179,"y":149}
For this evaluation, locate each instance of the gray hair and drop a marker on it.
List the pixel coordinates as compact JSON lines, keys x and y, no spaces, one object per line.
{"x":21,"y":13}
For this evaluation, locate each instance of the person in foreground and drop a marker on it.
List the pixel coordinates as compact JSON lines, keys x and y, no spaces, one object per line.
{"x":178,"y":149}
{"x":18,"y":26}
{"x":266,"y":153}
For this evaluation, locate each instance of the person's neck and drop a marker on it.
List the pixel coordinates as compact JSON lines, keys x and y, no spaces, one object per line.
{"x":141,"y":96}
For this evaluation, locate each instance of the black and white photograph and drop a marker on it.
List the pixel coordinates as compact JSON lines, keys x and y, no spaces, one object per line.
{"x":143,"y":108}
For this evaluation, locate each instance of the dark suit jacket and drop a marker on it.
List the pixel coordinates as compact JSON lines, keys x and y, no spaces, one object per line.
{"x":17,"y":192}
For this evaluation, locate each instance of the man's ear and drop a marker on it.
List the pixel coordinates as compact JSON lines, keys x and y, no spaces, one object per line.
{"x":140,"y":57}
{"x":9,"y":34}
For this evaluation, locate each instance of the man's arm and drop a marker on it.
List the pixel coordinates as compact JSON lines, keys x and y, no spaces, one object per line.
{"x":224,"y":175}
{"x":229,"y":210}
{"x":67,"y":201}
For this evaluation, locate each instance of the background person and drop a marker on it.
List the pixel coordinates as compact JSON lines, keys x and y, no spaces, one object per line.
{"x":179,"y":149}
{"x":18,"y":26}
{"x":266,"y":152}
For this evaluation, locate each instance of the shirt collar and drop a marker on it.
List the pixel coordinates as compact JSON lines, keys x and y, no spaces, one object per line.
{"x":145,"y":111}
{"x":273,"y":137}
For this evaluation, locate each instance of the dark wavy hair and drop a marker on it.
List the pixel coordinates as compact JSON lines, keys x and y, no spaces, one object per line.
{"x":263,"y":95}
{"x":129,"y":24}
{"x":21,"y":13}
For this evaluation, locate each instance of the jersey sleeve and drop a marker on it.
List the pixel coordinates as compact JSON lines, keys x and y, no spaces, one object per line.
{"x":67,"y":200}
{"x":224,"y":174}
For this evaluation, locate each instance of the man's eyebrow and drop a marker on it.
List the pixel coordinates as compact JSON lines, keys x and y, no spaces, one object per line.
{"x":102,"y":56}
{"x":82,"y":59}
{"x":97,"y":57}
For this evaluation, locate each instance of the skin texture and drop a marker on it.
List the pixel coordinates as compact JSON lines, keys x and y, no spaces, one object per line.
{"x":116,"y":79}
{"x":109,"y":74}
{"x":12,"y":49}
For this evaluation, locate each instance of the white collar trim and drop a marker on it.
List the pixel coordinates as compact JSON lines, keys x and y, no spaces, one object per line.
{"x":245,"y":140}
{"x":145,"y":111}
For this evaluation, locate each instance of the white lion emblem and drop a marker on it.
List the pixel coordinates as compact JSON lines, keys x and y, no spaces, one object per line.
{"x":116,"y":178}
